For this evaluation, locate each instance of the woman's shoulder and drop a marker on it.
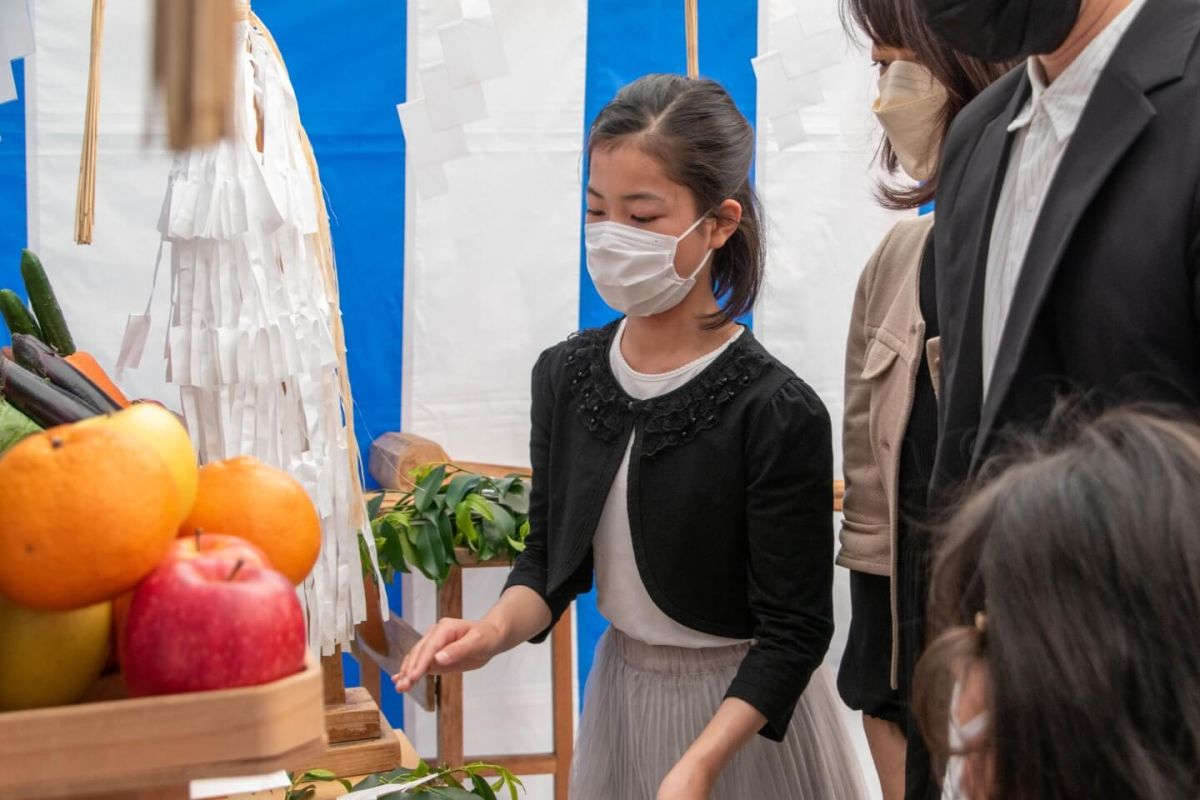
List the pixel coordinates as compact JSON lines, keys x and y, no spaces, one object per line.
{"x":894,"y":265}
{"x":905,"y":241}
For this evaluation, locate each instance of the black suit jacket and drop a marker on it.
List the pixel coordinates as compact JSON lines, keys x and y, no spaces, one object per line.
{"x":1106,"y":304}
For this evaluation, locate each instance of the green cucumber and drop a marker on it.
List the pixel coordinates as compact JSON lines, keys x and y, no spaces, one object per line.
{"x":45,"y":305}
{"x":17,"y":315}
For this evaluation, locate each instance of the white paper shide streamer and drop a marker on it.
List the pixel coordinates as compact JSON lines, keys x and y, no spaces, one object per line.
{"x":252,"y":344}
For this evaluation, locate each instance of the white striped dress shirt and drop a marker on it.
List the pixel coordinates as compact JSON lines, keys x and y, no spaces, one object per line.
{"x":1043,"y":131}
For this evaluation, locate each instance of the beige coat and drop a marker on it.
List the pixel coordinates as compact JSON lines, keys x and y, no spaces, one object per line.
{"x":883,"y":353}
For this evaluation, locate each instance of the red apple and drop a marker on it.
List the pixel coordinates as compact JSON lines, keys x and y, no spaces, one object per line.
{"x":218,"y":545}
{"x":208,"y":623}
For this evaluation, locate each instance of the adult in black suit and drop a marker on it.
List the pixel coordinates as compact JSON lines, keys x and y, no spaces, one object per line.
{"x":1105,"y":303}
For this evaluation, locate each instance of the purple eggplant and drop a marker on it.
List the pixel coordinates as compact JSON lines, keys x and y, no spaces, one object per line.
{"x":39,"y":399}
{"x":39,"y":359}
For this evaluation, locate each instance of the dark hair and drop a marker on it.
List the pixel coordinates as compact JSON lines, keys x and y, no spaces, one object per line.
{"x":899,"y":24}
{"x":1084,"y":552}
{"x":703,"y":142}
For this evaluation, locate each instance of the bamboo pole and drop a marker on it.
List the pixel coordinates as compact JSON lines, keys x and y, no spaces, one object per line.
{"x":692,"y":23}
{"x":85,"y":198}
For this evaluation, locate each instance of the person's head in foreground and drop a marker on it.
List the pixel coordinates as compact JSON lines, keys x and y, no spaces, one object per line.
{"x":1067,"y":593}
{"x":670,"y":206}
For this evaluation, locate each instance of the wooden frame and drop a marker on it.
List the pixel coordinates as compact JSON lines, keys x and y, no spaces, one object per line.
{"x":449,"y":699}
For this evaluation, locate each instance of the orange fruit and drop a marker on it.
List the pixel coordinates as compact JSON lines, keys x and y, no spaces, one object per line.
{"x":265,"y":506}
{"x":85,"y":513}
{"x":162,"y":431}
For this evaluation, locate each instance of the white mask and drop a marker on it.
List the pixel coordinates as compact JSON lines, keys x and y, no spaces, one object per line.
{"x":634,"y":269}
{"x":910,"y":109}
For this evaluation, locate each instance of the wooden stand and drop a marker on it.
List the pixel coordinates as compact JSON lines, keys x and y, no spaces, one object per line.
{"x":360,"y":740}
{"x":153,"y":747}
{"x":450,"y":698}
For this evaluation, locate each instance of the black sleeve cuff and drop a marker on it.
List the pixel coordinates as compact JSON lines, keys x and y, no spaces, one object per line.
{"x":775,"y":706}
{"x":558,"y":602}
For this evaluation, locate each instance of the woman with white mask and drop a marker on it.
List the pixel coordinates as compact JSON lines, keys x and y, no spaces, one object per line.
{"x":690,"y":473}
{"x":890,"y":426}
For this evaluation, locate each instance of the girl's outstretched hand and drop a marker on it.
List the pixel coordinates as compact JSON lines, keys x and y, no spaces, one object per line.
{"x":452,"y":645}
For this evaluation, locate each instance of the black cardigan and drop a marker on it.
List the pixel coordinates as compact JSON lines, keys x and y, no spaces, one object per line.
{"x":730,"y":503}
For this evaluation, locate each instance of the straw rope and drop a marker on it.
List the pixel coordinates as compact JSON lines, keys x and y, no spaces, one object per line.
{"x":329,"y":273}
{"x":85,"y":198}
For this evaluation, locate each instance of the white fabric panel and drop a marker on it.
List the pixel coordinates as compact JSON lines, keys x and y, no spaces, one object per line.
{"x":823,"y":225}
{"x":492,"y":278}
{"x":100,"y":284}
{"x":823,"y":220}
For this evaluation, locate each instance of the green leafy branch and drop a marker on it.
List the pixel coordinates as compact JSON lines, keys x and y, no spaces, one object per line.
{"x":445,"y":782}
{"x":304,"y":784}
{"x":450,"y":508}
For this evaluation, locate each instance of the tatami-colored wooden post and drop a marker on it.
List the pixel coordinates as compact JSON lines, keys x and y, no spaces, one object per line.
{"x":450,"y":687}
{"x":691,"y":13}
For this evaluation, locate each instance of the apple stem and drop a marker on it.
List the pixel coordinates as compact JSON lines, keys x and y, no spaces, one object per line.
{"x":56,"y":442}
{"x":236,"y":569}
{"x":198,"y":532}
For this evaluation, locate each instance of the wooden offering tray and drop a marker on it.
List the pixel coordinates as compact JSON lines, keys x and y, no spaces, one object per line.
{"x":152,"y":747}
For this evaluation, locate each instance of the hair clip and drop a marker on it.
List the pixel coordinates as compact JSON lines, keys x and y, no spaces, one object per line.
{"x":981,"y":621}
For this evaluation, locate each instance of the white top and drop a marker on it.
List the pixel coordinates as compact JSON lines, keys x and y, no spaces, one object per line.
{"x":1043,"y":131}
{"x":621,"y":595}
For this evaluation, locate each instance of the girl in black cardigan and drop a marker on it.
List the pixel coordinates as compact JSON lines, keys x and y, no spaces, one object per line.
{"x":690,"y":473}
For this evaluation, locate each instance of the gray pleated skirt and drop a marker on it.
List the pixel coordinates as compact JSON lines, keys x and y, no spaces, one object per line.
{"x":645,"y":705}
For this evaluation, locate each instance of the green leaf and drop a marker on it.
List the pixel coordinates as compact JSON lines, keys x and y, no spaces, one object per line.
{"x":427,"y":489}
{"x":481,"y":788}
{"x":458,"y":488}
{"x":499,"y":529}
{"x":317,"y":775}
{"x":516,"y":544}
{"x":345,"y":783}
{"x":379,"y":779}
{"x":468,"y":534}
{"x":418,"y":474}
{"x":430,"y":553}
{"x":409,"y":553}
{"x":14,"y":426}
{"x":516,"y":495}
{"x":431,"y":526}
{"x":391,"y":537}
{"x":482,"y":506}
{"x":512,"y":780}
{"x":446,"y":530}
{"x":373,"y":506}
{"x":505,"y":523}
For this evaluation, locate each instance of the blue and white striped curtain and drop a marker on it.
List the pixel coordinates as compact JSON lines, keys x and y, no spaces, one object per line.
{"x":448,"y":299}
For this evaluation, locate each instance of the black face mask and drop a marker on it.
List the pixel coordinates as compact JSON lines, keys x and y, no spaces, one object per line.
{"x":1002,"y":30}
